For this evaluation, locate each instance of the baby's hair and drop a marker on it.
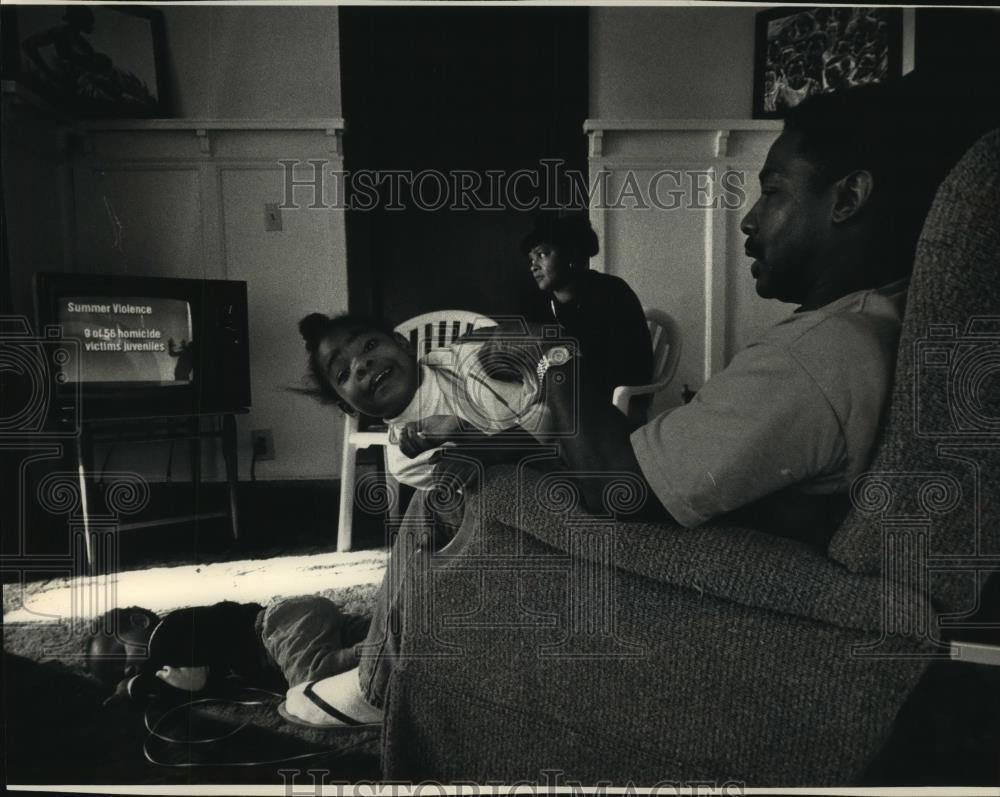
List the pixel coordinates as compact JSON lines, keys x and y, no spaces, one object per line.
{"x":105,"y":654}
{"x":317,"y":326}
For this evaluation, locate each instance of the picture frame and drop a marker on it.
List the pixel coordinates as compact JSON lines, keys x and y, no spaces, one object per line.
{"x":802,"y":50}
{"x":88,"y":61}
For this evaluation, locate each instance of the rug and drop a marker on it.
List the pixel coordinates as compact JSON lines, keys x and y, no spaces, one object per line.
{"x":57,"y":730}
{"x":349,"y":576}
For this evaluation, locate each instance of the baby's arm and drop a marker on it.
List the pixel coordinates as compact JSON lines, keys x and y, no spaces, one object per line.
{"x":415,"y":437}
{"x":416,"y":471}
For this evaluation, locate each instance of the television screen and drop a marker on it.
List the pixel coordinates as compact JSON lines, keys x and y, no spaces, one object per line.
{"x":130,"y":339}
{"x":145,"y":346}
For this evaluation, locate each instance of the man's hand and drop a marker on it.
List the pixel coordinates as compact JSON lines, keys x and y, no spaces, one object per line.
{"x":416,"y":437}
{"x":560,"y":395}
{"x":593,"y":438}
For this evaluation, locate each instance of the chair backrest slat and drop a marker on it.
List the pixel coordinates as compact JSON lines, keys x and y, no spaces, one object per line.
{"x":665,"y":337}
{"x":440,"y":328}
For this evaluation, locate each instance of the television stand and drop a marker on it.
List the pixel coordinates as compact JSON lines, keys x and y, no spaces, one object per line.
{"x":159,"y":428}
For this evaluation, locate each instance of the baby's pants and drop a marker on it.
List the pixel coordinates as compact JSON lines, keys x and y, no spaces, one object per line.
{"x":309,"y":638}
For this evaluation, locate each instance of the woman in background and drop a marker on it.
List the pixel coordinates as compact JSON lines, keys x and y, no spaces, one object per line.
{"x":600,"y":310}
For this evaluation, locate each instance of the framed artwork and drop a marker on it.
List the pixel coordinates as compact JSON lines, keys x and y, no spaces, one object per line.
{"x":804,"y":51}
{"x":90,"y":61}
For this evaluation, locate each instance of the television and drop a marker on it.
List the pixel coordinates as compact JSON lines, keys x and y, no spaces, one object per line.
{"x":145,"y":346}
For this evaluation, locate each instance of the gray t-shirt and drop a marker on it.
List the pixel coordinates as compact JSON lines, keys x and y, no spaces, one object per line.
{"x":800,"y":407}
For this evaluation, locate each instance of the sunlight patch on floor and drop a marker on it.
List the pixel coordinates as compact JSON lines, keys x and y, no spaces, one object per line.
{"x":163,"y":589}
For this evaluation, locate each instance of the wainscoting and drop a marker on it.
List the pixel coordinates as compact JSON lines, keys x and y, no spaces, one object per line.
{"x":186,"y":198}
{"x":668,"y":197}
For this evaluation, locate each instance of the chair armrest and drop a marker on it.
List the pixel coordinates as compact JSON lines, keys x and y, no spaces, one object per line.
{"x":730,"y":562}
{"x":366,"y":439}
{"x":377,"y":435}
{"x":976,"y":653}
{"x":623,"y":394}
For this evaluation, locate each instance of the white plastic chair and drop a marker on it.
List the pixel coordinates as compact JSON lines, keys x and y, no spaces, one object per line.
{"x":666,"y":340}
{"x":426,"y":332}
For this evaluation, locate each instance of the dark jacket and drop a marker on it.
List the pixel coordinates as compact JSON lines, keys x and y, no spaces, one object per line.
{"x":607,"y":319}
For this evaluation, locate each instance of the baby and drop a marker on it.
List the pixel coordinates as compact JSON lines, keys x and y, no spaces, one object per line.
{"x":213,"y":649}
{"x":481,"y":386}
{"x":449,"y":395}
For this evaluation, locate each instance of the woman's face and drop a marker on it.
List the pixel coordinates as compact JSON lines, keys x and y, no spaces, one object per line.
{"x":549,"y":267}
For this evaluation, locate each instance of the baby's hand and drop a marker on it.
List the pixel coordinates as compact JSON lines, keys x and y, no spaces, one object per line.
{"x":411,"y":441}
{"x":416,"y":437}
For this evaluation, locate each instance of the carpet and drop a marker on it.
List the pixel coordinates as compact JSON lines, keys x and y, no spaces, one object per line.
{"x":58,"y":732}
{"x":348,"y":578}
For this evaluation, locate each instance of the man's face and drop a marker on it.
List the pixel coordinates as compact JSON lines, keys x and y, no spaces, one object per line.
{"x":787,"y":227}
{"x":373,"y":372}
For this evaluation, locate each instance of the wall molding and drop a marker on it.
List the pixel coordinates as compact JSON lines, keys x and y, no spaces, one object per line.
{"x":667,"y":125}
{"x":189,"y":197}
{"x":206,"y":130}
{"x":702,"y":273}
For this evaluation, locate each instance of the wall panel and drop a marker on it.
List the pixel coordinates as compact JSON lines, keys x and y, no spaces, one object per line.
{"x":140,"y":218}
{"x":187,"y":198}
{"x":673,"y":194}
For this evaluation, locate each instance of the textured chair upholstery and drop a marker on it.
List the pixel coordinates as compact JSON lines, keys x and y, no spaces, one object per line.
{"x":552,"y":646}
{"x":938,"y":463}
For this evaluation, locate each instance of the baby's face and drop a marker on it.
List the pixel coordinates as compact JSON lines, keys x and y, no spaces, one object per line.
{"x":373,"y":372}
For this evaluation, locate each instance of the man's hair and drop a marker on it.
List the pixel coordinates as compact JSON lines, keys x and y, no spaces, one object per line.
{"x":886,"y":131}
{"x":314,"y":328}
{"x":842,"y":131}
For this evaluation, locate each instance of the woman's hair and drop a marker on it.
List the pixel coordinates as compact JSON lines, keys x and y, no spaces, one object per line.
{"x":569,"y":232}
{"x":314,"y":328}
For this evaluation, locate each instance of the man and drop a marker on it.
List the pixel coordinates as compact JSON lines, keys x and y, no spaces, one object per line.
{"x":784,"y":429}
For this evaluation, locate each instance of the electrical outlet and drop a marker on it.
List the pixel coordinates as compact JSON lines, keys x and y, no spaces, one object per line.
{"x":262,"y":444}
{"x":272,"y":217}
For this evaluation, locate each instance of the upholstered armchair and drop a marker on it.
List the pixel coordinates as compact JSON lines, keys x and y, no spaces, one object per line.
{"x":550,"y":645}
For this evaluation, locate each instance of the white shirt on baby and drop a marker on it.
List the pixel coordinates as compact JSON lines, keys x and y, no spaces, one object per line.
{"x":454,"y":382}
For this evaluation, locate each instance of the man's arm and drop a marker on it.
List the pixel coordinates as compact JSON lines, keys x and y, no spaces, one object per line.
{"x":600,"y":444}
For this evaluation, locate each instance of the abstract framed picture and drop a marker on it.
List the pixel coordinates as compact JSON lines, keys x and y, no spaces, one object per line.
{"x":802,"y":51}
{"x":90,"y":61}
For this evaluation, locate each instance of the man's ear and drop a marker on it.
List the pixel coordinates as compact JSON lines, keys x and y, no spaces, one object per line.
{"x":853,"y":192}
{"x":346,"y":408}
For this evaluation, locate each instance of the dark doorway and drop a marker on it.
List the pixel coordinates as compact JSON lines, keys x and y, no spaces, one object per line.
{"x":476,"y":90}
